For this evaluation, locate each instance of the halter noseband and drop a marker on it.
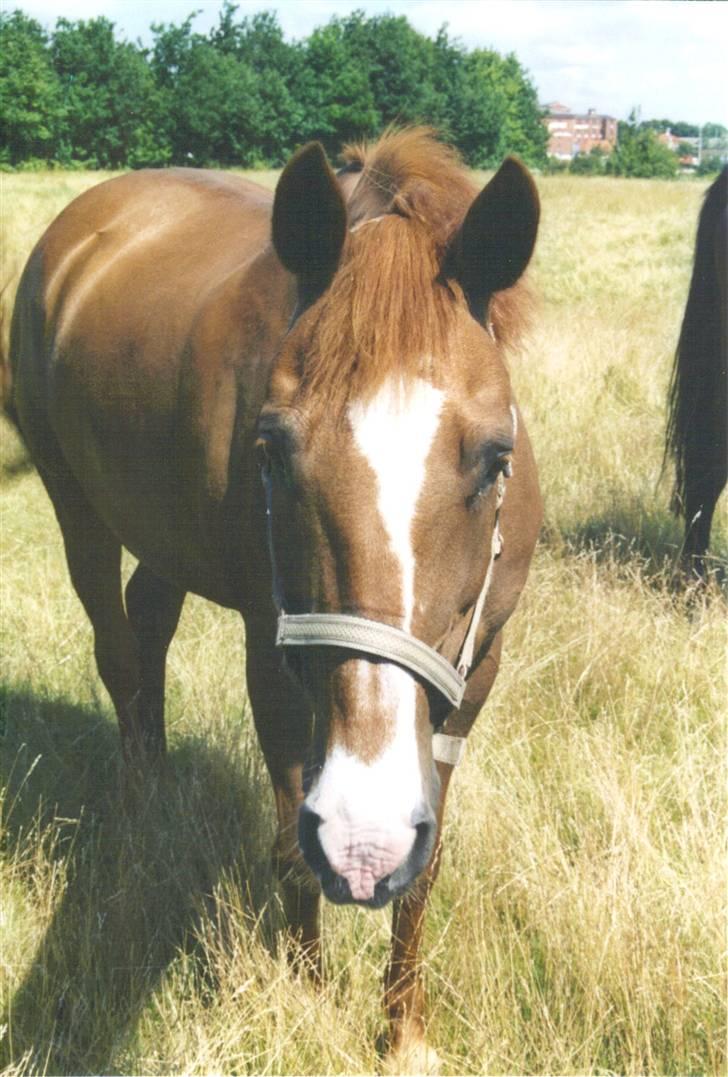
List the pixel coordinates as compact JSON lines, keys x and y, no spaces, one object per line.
{"x":374,"y":637}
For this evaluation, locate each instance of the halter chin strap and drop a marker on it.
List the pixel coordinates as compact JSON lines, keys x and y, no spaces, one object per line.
{"x":374,"y":637}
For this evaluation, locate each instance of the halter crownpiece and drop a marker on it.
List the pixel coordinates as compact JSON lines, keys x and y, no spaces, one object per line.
{"x":394,"y":644}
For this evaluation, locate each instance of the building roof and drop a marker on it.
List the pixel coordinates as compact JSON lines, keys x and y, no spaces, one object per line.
{"x":564,"y":112}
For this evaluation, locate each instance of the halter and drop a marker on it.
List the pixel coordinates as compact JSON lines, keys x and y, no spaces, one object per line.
{"x":394,"y":644}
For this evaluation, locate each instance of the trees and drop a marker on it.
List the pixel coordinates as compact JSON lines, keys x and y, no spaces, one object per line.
{"x":207,"y":98}
{"x":334,"y":90}
{"x":640,"y":153}
{"x":486,"y":104}
{"x":30,"y":94}
{"x":676,"y":127}
{"x":257,"y":42}
{"x":523,"y":131}
{"x":589,"y":164}
{"x":480,"y":112}
{"x":211,"y":110}
{"x":242,"y":95}
{"x":397,"y":63}
{"x":107,"y":97}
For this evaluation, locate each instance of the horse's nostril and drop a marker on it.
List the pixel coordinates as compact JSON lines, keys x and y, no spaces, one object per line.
{"x":424,"y":821}
{"x":424,"y":845}
{"x":424,"y":817}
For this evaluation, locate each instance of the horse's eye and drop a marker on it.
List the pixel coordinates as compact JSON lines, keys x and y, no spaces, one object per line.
{"x":492,"y":467}
{"x":262,"y":455}
{"x":272,"y":459}
{"x":504,"y":464}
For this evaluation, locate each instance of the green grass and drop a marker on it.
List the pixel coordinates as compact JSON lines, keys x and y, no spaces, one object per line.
{"x":578,"y":922}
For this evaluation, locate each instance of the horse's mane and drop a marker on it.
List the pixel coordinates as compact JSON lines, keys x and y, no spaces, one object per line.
{"x":388,"y":307}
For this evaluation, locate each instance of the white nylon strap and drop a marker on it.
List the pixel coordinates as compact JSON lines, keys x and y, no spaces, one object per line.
{"x":363,"y":224}
{"x":467,"y":650}
{"x":372,"y":637}
{"x":447,"y":749}
{"x":465,"y":660}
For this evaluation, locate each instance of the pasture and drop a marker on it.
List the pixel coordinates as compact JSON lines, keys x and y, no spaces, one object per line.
{"x":578,"y":922}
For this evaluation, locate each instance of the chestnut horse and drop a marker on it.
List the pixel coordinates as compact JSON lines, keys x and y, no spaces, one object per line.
{"x":698,"y":402}
{"x":167,"y":354}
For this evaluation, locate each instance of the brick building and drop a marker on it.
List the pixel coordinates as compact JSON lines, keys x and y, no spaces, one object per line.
{"x":571,"y":133}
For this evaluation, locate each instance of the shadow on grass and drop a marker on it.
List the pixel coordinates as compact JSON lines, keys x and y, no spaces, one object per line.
{"x":137,"y":871}
{"x":630,"y":537}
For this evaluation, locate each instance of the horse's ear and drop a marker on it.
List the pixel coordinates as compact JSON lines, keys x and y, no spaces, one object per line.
{"x":496,"y":240}
{"x":309,"y":220}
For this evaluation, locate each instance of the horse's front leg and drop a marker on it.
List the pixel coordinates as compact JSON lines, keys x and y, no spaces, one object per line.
{"x":403,"y":986}
{"x":283,"y":724}
{"x":408,"y":1051}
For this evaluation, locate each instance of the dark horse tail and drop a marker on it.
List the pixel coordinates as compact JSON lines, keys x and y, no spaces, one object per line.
{"x":696,"y":428}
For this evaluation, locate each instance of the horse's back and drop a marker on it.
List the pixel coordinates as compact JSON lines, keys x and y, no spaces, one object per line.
{"x":133,"y":258}
{"x":127,"y":317}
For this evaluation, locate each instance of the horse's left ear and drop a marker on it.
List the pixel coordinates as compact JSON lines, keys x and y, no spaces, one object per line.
{"x":495,"y":242}
{"x":309,"y":221}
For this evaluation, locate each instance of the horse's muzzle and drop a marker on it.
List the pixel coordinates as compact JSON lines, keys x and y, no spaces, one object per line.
{"x":391,"y":885}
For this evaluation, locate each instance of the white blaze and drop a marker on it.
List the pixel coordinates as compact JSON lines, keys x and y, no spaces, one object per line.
{"x":395,"y":431}
{"x":366,"y":809}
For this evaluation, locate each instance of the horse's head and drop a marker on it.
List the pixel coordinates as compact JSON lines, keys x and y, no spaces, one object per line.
{"x":387,"y":430}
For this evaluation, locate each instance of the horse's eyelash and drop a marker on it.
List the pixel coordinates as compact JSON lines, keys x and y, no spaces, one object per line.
{"x":501,"y":462}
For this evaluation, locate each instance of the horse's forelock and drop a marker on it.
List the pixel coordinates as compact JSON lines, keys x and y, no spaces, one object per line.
{"x":384,"y":313}
{"x":410,"y":172}
{"x":388,"y":309}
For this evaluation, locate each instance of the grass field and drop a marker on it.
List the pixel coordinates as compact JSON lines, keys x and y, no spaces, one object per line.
{"x":578,"y":922}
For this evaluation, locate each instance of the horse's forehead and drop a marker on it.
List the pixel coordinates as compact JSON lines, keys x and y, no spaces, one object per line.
{"x":404,"y":424}
{"x":399,"y":418}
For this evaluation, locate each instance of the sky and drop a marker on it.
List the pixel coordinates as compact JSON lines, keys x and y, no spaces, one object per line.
{"x":667,"y":57}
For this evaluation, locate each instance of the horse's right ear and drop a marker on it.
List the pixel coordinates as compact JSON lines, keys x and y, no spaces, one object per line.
{"x":496,"y":240}
{"x":309,"y":221}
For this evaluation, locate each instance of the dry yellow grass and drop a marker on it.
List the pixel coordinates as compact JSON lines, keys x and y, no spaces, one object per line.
{"x":578,"y":923}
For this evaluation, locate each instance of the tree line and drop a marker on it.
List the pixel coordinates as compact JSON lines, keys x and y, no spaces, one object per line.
{"x":242,"y":95}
